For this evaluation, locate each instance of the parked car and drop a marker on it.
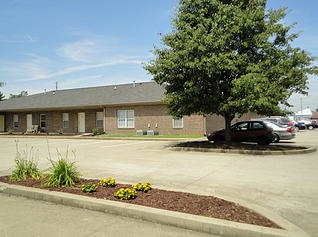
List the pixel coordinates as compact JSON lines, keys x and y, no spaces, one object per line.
{"x":246,"y":131}
{"x":281,"y":132}
{"x":310,"y":124}
{"x":279,"y":119}
{"x":300,"y":125}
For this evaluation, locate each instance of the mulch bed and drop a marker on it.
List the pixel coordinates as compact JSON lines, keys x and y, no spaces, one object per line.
{"x":208,"y":206}
{"x":238,"y":146}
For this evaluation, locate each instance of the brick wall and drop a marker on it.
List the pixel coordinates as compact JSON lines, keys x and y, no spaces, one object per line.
{"x":54,"y":120}
{"x":153,"y":117}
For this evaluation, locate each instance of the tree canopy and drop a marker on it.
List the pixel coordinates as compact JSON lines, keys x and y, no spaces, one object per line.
{"x":229,"y":57}
{"x":1,"y":94}
{"x":22,"y":93}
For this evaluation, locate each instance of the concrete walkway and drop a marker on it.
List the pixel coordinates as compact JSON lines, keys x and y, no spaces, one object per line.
{"x":285,"y":185}
{"x":26,"y":217}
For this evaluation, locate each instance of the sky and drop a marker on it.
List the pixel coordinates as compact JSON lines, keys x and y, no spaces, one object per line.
{"x":75,"y":44}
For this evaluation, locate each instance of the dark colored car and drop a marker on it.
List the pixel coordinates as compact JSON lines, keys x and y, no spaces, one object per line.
{"x":246,"y":131}
{"x":300,"y":125}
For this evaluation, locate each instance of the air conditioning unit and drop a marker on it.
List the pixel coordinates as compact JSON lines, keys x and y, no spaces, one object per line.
{"x":152,"y":133}
{"x":141,"y":132}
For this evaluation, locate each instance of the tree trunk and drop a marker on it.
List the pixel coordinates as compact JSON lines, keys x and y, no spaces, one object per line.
{"x":228,"y":119}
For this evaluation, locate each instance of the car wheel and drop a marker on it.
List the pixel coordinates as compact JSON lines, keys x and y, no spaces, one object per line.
{"x":276,"y":138}
{"x":310,"y":127}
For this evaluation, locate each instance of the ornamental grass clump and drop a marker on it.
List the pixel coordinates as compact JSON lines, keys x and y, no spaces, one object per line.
{"x":108,"y":182}
{"x":126,"y":194}
{"x":25,"y":166}
{"x":63,"y":172}
{"x":142,"y":187}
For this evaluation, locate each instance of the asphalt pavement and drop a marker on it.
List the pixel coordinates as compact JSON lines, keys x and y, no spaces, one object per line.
{"x":284,"y":184}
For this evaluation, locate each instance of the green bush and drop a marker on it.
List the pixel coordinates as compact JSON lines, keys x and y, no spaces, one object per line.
{"x":63,"y":173}
{"x":126,"y":194}
{"x":142,"y":187}
{"x":107,"y":182}
{"x":96,"y":131}
{"x":89,"y":188}
{"x":25,"y":166}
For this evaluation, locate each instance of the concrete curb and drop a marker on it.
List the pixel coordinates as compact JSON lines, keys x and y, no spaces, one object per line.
{"x":182,"y":220}
{"x":249,"y":152}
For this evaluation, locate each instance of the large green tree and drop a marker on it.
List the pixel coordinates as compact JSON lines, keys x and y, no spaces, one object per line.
{"x":228,"y":57}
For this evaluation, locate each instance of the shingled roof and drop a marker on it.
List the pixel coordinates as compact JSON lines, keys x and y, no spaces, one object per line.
{"x":124,"y":94}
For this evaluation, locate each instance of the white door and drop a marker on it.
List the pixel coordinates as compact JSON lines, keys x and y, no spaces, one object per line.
{"x":1,"y":123}
{"x":81,"y":122}
{"x":29,"y":121}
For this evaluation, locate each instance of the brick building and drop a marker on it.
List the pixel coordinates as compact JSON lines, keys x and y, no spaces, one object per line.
{"x":117,"y":109}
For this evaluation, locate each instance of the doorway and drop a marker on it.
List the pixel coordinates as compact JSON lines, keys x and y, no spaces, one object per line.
{"x":1,"y":123}
{"x":29,"y":121}
{"x":81,"y":122}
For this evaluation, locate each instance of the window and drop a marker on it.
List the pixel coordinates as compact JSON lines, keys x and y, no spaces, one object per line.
{"x":15,"y":121}
{"x":99,"y":119}
{"x":43,"y":120}
{"x":178,"y":123}
{"x":126,"y":119}
{"x":257,"y":125}
{"x":66,"y":121}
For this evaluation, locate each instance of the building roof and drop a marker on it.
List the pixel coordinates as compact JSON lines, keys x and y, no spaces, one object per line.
{"x":304,"y":112}
{"x":91,"y":97}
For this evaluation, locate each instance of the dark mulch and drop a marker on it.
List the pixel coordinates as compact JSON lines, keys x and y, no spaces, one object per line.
{"x":208,"y":206}
{"x":239,"y":146}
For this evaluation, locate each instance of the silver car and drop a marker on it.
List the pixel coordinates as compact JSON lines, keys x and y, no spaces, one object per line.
{"x":281,"y":132}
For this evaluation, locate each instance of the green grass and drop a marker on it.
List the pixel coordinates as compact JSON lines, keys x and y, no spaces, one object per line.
{"x":25,"y":166}
{"x":63,"y":172}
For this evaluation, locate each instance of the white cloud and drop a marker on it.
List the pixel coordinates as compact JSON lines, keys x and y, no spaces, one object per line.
{"x":81,"y":51}
{"x":83,"y":67}
{"x":18,"y":39}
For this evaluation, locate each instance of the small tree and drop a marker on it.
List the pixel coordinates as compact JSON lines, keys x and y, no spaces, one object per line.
{"x":1,"y":96}
{"x":228,"y":58}
{"x":22,"y":93}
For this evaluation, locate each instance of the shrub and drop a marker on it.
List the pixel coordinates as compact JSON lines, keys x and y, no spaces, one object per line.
{"x":107,"y":182}
{"x":89,"y":188}
{"x":63,"y":172}
{"x":95,"y":131}
{"x":142,"y":187}
{"x":25,"y":166}
{"x":126,"y":194}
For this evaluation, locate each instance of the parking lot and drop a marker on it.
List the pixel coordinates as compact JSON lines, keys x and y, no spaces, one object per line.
{"x":284,"y":184}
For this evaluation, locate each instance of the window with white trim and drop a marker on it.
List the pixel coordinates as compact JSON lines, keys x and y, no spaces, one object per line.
{"x":43,"y":121}
{"x":66,"y":120}
{"x":15,"y":121}
{"x":177,"y":122}
{"x":99,"y":119}
{"x":126,"y":119}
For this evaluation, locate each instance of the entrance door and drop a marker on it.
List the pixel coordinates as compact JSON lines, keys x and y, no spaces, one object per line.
{"x":29,"y":121}
{"x":1,"y":123}
{"x":81,"y":122}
